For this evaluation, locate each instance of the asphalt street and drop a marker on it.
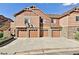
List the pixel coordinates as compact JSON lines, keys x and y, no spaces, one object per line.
{"x":62,"y":53}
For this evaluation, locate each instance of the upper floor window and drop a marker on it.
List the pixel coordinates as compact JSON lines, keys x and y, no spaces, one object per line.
{"x":45,"y":21}
{"x":77,"y":18}
{"x":53,"y":21}
{"x":27,"y":20}
{"x":41,"y":20}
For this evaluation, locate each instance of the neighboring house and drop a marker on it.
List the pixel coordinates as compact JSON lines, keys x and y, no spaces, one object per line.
{"x":5,"y":26}
{"x":32,"y":22}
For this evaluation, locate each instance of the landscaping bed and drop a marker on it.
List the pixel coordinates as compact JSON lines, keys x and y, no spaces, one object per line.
{"x":3,"y":39}
{"x":6,"y":41}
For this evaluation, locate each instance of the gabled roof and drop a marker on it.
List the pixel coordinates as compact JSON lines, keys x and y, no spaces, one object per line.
{"x":50,"y":15}
{"x":64,"y":14}
{"x":3,"y":18}
{"x":28,"y":9}
{"x":54,"y":15}
{"x":71,"y":10}
{"x":31,"y":9}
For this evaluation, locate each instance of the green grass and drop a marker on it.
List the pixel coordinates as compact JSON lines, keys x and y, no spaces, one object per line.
{"x":77,"y":35}
{"x":3,"y":39}
{"x":1,"y":34}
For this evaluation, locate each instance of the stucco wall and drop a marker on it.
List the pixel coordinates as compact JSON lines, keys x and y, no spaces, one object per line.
{"x":19,"y":20}
{"x":64,"y":24}
{"x":46,"y":18}
{"x":72,"y":19}
{"x":7,"y":33}
{"x":64,"y":21}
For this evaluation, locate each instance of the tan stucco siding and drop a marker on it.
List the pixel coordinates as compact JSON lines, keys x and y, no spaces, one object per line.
{"x":19,"y":20}
{"x":35,"y":21}
{"x":45,"y":18}
{"x":12,"y":28}
{"x":64,"y":21}
{"x":72,"y":19}
{"x":69,"y":20}
{"x":7,"y":33}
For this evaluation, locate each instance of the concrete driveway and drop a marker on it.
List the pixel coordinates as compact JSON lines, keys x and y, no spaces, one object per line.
{"x":25,"y":44}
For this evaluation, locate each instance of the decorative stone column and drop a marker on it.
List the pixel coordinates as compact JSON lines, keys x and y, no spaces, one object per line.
{"x":16,"y":33}
{"x":28,"y":33}
{"x":49,"y":32}
{"x":38,"y":32}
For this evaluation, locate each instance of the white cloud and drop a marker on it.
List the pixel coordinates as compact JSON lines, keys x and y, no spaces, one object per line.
{"x":67,"y":4}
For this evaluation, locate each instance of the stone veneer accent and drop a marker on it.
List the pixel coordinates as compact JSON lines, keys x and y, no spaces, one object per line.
{"x":69,"y":32}
{"x":64,"y":32}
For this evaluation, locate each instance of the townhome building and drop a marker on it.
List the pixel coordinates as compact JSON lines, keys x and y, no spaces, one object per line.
{"x":33,"y":23}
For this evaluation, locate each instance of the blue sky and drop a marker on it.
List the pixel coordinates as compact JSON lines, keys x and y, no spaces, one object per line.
{"x":9,"y":9}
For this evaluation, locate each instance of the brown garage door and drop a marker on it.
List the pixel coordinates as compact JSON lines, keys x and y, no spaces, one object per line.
{"x":55,"y":33}
{"x":33,"y":33}
{"x":45,"y":33}
{"x":22,"y":33}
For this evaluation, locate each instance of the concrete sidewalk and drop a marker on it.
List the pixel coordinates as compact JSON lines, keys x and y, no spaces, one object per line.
{"x":25,"y":44}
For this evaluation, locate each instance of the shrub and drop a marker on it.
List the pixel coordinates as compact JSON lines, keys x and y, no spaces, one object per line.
{"x":1,"y":34}
{"x":77,"y":35}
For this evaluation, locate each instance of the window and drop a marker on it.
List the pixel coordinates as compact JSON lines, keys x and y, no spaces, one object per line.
{"x":44,"y":21}
{"x":77,"y":18}
{"x":27,"y":20}
{"x":41,"y":20}
{"x":53,"y":21}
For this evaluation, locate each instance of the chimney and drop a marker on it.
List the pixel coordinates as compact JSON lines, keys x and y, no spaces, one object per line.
{"x":33,"y":7}
{"x":28,"y":9}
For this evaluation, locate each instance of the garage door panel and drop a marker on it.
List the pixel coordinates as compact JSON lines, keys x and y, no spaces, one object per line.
{"x":55,"y":33}
{"x":22,"y":33}
{"x":33,"y":33}
{"x":45,"y":33}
